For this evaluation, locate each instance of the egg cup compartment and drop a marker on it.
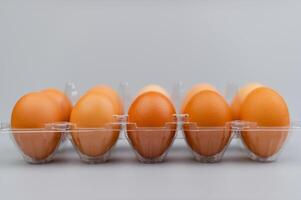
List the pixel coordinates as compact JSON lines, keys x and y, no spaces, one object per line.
{"x":94,"y":145}
{"x":207,"y":144}
{"x":38,"y":145}
{"x":263,"y":144}
{"x":151,"y":144}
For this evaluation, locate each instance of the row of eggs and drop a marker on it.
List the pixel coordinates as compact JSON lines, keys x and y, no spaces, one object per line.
{"x":151,"y":110}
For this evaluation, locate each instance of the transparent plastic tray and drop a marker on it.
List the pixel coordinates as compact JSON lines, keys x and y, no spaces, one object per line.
{"x":151,"y":144}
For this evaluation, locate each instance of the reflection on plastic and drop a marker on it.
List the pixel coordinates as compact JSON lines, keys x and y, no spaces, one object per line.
{"x":151,"y":144}
{"x":94,"y":145}
{"x":264,"y":144}
{"x":207,"y":144}
{"x":37,"y":146}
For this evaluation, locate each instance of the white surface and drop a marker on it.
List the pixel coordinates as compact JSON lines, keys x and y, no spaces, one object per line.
{"x":180,"y":177}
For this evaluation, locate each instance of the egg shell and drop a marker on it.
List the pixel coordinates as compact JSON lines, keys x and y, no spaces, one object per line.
{"x":265,"y":107}
{"x":112,"y":94}
{"x":34,"y":110}
{"x":153,"y":88}
{"x":62,"y":100}
{"x":151,"y":109}
{"x":268,"y":109}
{"x":148,"y":114}
{"x":207,"y":109}
{"x":194,"y":90}
{"x":94,"y":110}
{"x":240,"y":97}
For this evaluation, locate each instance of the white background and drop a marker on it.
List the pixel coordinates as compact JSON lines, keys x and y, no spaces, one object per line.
{"x":46,"y":43}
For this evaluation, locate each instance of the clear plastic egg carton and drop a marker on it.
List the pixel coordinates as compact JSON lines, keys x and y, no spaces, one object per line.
{"x":150,"y":144}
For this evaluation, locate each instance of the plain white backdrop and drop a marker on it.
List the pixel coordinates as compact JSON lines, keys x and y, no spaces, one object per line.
{"x":44,"y":43}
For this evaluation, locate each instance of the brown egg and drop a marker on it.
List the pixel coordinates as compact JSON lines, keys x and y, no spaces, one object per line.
{"x":194,"y":90}
{"x":268,"y":109}
{"x":240,"y":97}
{"x":34,"y":110}
{"x":207,"y":109}
{"x":148,"y":131}
{"x":94,"y":110}
{"x":63,"y":101}
{"x":151,"y":109}
{"x":112,"y":94}
{"x":153,"y":88}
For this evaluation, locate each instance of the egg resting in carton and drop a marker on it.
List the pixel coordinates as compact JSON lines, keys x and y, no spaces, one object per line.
{"x":206,"y":143}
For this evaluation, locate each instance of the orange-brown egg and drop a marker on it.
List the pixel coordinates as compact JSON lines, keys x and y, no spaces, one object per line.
{"x":62,"y":100}
{"x":194,"y":90}
{"x":268,"y":109}
{"x":207,"y":109}
{"x":94,"y":110}
{"x":112,"y":94}
{"x":34,"y":110}
{"x":151,"y":109}
{"x":153,"y":88}
{"x":240,"y":97}
{"x":148,"y":114}
{"x":265,"y":107}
